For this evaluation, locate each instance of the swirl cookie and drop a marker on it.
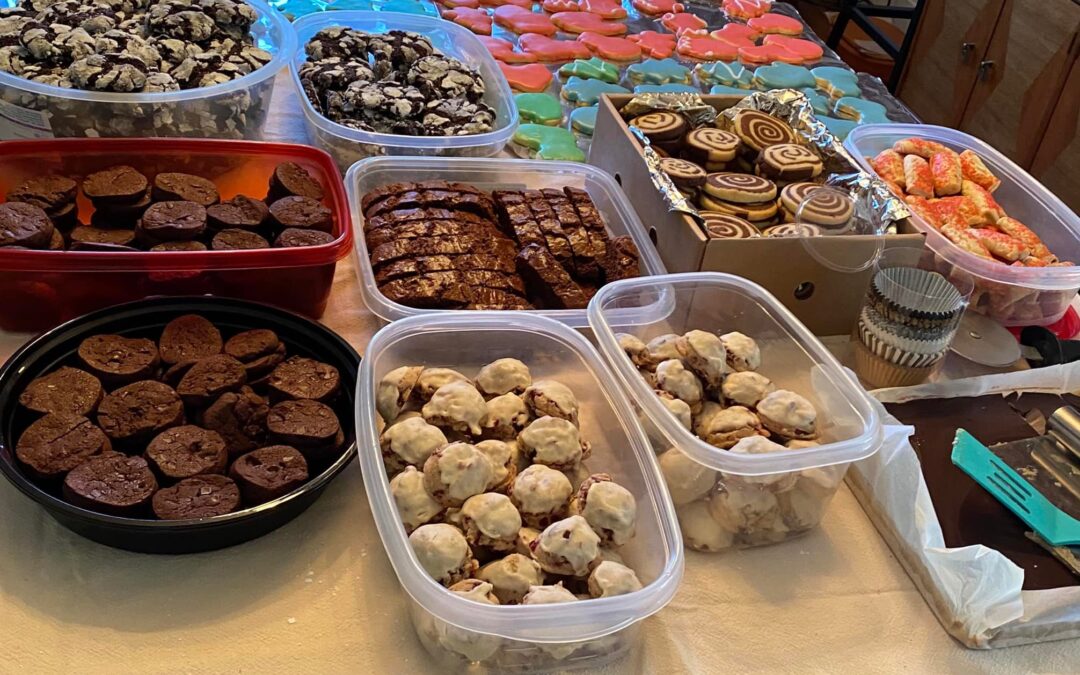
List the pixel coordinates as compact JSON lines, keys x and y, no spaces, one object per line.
{"x":793,"y":230}
{"x":661,"y":127}
{"x":722,"y":72}
{"x":530,"y":77}
{"x":587,"y":92}
{"x":755,"y":212}
{"x":550,"y":50}
{"x":659,"y":71}
{"x":605,"y":9}
{"x":758,"y":130}
{"x":657,"y":7}
{"x":591,"y":69}
{"x":725,"y":226}
{"x":712,"y":145}
{"x":741,"y":188}
{"x":611,"y":48}
{"x":823,"y":206}
{"x":677,"y":22}
{"x":686,"y":175}
{"x":584,"y":22}
{"x":656,"y":45}
{"x":536,"y":108}
{"x":788,"y":161}
{"x":519,"y":20}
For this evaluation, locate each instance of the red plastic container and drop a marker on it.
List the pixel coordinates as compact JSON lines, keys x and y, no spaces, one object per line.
{"x":40,"y":289}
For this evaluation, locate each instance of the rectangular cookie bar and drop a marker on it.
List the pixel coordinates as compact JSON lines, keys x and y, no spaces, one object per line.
{"x":547,"y":280}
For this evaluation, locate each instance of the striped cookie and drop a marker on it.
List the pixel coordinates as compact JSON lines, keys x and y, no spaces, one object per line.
{"x":754,"y":212}
{"x":712,"y":145}
{"x":789,"y":161}
{"x":793,"y":230}
{"x":828,"y":207}
{"x":758,"y":130}
{"x":683,"y":173}
{"x":661,"y":126}
{"x":725,"y":226}
{"x":742,"y":188}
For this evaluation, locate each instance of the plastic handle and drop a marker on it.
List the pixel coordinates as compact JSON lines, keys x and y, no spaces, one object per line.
{"x":966,"y":50}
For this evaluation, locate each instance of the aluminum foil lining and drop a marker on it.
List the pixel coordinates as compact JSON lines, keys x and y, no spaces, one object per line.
{"x":875,"y":205}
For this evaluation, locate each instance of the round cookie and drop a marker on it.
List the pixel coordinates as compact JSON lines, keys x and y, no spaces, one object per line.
{"x":755,"y":212}
{"x":188,"y":338}
{"x":301,"y":212}
{"x":303,"y":378}
{"x":240,"y":212}
{"x":793,"y":230}
{"x":305,"y":424}
{"x":725,"y":226}
{"x":661,"y":127}
{"x":64,"y":391}
{"x":57,"y":443}
{"x":758,"y":130}
{"x":197,"y":497}
{"x":789,"y":161}
{"x":268,"y":473}
{"x":686,"y":175}
{"x":111,"y":483}
{"x":85,"y":238}
{"x":740,"y":187}
{"x":25,"y":225}
{"x":184,"y":187}
{"x":179,"y":246}
{"x":827,"y":207}
{"x":235,"y":239}
{"x":118,"y":360}
{"x":186,"y":451}
{"x":442,"y":77}
{"x":49,"y":193}
{"x":138,"y":412}
{"x":292,"y":180}
{"x":712,"y":145}
{"x":294,"y":236}
{"x":209,"y":378}
{"x":173,"y":221}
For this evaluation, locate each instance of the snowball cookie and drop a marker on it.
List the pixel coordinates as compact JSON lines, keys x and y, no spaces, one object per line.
{"x":703,"y":417}
{"x":512,"y":577}
{"x":608,"y":507}
{"x":541,"y":495}
{"x":687,"y":480}
{"x":456,"y":472}
{"x":431,"y":379}
{"x":759,"y":445}
{"x":553,"y":399}
{"x":490,"y":520}
{"x":610,"y":579}
{"x":788,"y":415}
{"x":415,"y":506}
{"x":803,"y":507}
{"x":662,"y":348}
{"x":568,"y":547}
{"x":742,"y":352}
{"x":504,"y":376}
{"x":504,"y":459}
{"x":526,"y":536}
{"x":409,"y":443}
{"x":469,"y":644}
{"x":457,"y":406}
{"x":476,"y":590}
{"x":700,"y":530}
{"x":725,"y":428}
{"x":704,"y":354}
{"x":394,"y":391}
{"x":801,"y":445}
{"x":548,"y":595}
{"x":677,"y":407}
{"x":554,"y":442}
{"x":744,"y":508}
{"x":443,"y":552}
{"x":746,"y":388}
{"x":505,"y":417}
{"x":676,"y":379}
{"x":636,"y":350}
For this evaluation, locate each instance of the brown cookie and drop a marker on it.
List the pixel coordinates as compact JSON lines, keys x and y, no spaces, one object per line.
{"x":301,"y":212}
{"x":308,"y":425}
{"x":86,"y":238}
{"x":188,"y":338}
{"x":119,"y":360}
{"x":24,"y":225}
{"x":295,"y":236}
{"x":237,"y":240}
{"x":120,"y":215}
{"x":57,"y":443}
{"x":185,"y":187}
{"x":292,"y":180}
{"x":57,"y":242}
{"x":64,"y":391}
{"x":240,"y":419}
{"x":101,"y":247}
{"x":186,"y":451}
{"x":179,"y":246}
{"x":252,"y":344}
{"x":173,"y":221}
{"x":209,"y":378}
{"x":111,"y":483}
{"x":197,"y":497}
{"x":136,"y":413}
{"x":115,"y":185}
{"x":302,"y":378}
{"x":685,"y":174}
{"x":50,"y":193}
{"x":240,"y":212}
{"x":269,"y":473}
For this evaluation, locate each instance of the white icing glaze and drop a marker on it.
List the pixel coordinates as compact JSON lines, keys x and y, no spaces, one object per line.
{"x":709,"y":409}
{"x":727,"y":426}
{"x":505,"y":415}
{"x":742,"y":351}
{"x":462,"y":470}
{"x":759,"y":445}
{"x":801,"y":445}
{"x":431,"y":379}
{"x":610,"y":579}
{"x":687,"y":480}
{"x":700,"y":531}
{"x":548,"y":595}
{"x":394,"y":389}
{"x":512,"y":577}
{"x":552,"y":441}
{"x":746,"y":388}
{"x":493,"y":515}
{"x":704,"y":353}
{"x":636,"y":349}
{"x":662,"y":348}
{"x":503,"y":458}
{"x":413,"y":440}
{"x":680,"y":409}
{"x":414,"y":504}
{"x":441,"y":550}
{"x":457,"y":405}
{"x":541,"y":490}
{"x":503,"y":376}
{"x":548,"y":397}
{"x":610,"y":508}
{"x":568,"y":547}
{"x":476,"y":591}
{"x":740,"y":509}
{"x":674,"y":378}
{"x":785,"y":411}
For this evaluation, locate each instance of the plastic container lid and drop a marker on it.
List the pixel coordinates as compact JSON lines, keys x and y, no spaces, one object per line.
{"x":723,"y":303}
{"x":467,"y":341}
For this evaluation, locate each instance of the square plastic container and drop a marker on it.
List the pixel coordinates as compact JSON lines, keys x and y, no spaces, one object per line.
{"x":1013,"y":296}
{"x":493,"y":174}
{"x":350,"y":145}
{"x":232,"y":110}
{"x":728,"y":500}
{"x":40,"y":289}
{"x":460,"y":633}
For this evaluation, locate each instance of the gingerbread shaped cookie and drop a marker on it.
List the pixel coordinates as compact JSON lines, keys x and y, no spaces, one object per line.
{"x":656,"y":45}
{"x":584,"y":22}
{"x":550,"y":50}
{"x":611,"y":48}
{"x":533,"y":77}
{"x":591,"y":69}
{"x":544,"y":142}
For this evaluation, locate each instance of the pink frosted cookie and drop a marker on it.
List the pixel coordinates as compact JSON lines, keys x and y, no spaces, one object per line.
{"x":550,"y":50}
{"x":611,"y":48}
{"x":554,"y":6}
{"x":705,"y":48}
{"x":806,"y":50}
{"x":584,"y":22}
{"x":518,"y":20}
{"x":736,"y":32}
{"x":454,"y":4}
{"x":746,"y":9}
{"x":605,"y":9}
{"x":524,"y":4}
{"x":504,"y":51}
{"x":476,"y":20}
{"x":657,"y":7}
{"x":653,"y":44}
{"x":682,"y":21}
{"x":528,"y":77}
{"x":776,"y":24}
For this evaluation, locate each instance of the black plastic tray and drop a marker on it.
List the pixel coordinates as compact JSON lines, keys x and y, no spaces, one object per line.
{"x":147,"y":318}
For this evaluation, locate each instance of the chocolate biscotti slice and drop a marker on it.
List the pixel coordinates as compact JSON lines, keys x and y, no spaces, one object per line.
{"x":547,"y":281}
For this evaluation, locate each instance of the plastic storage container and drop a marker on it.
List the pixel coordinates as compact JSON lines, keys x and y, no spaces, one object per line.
{"x":236,"y":109}
{"x":350,"y":145}
{"x":493,"y":174}
{"x":40,"y":289}
{"x":1013,"y":296}
{"x":728,"y":500}
{"x":458,"y":632}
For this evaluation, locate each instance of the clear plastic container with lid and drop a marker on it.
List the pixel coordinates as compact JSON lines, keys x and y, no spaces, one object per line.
{"x":233,"y":110}
{"x":726,"y":500}
{"x":1013,"y":296}
{"x":349,"y":145}
{"x":515,"y":638}
{"x":493,"y":174}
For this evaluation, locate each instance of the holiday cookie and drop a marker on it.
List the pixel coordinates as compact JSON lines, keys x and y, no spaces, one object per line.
{"x":705,"y":48}
{"x":550,"y":50}
{"x":733,"y":74}
{"x":476,"y":20}
{"x":758,"y":130}
{"x":656,"y":45}
{"x":746,"y":9}
{"x":611,"y":48}
{"x":740,"y":188}
{"x":821,"y":104}
{"x":920,"y":146}
{"x":605,"y":9}
{"x":807,"y":50}
{"x":591,"y":69}
{"x":783,"y":76}
{"x":454,"y":4}
{"x":686,"y":175}
{"x":657,"y":7}
{"x":670,"y":88}
{"x":738,"y":34}
{"x":504,"y":51}
{"x":725,"y":226}
{"x":862,"y":111}
{"x":584,"y":22}
{"x":836,"y":82}
{"x":658,"y":71}
{"x":583,"y":120}
{"x":974,"y":170}
{"x":532,"y":77}
{"x":524,"y":4}
{"x":539,"y":108}
{"x":544,"y":142}
{"x":889,"y":165}
{"x":712,"y":145}
{"x":793,"y":230}
{"x":553,"y":6}
{"x":677,"y":22}
{"x":838,"y":127}
{"x":788,"y":161}
{"x":587,"y":92}
{"x":520,"y":20}
{"x":755,"y":212}
{"x":661,"y":127}
{"x":820,"y":206}
{"x":766,"y":54}
{"x":778,"y":24}
{"x":947,"y":173}
{"x":917,"y":178}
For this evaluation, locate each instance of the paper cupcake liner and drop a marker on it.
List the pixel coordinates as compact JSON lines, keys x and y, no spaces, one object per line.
{"x":898,"y":355}
{"x":878,"y":320}
{"x":879,"y":373}
{"x":919,"y":342}
{"x":917,"y":297}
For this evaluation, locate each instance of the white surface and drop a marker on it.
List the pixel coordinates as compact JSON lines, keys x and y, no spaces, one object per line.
{"x":319,"y":595}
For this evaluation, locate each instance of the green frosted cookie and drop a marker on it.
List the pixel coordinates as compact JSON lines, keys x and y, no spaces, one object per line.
{"x":539,"y":108}
{"x":658,"y":71}
{"x":587,"y":92}
{"x":583,"y":120}
{"x":721,"y":72}
{"x":591,"y":69}
{"x":544,"y":142}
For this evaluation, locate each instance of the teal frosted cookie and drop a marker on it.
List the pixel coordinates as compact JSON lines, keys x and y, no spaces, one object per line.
{"x":722,"y":72}
{"x":587,"y":92}
{"x":591,"y":69}
{"x":822,"y":105}
{"x":724,"y":90}
{"x":860,"y":110}
{"x":544,"y":142}
{"x":836,"y":82}
{"x":404,"y":7}
{"x":658,"y":71}
{"x":838,"y":127}
{"x":539,"y":108}
{"x":672,"y":88}
{"x":783,"y":76}
{"x":583,"y":120}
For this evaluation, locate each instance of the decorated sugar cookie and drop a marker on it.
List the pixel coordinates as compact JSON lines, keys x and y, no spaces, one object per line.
{"x":836,"y":82}
{"x":765,"y":54}
{"x":776,"y":24}
{"x":591,"y":69}
{"x":838,"y":127}
{"x":659,"y":71}
{"x":539,"y":108}
{"x":553,"y":6}
{"x":733,"y":74}
{"x":550,"y":50}
{"x":605,"y":9}
{"x":725,"y":90}
{"x":656,"y":45}
{"x":677,"y":22}
{"x":705,"y":48}
{"x":524,"y":4}
{"x":504,"y":51}
{"x":783,"y":76}
{"x":583,"y":120}
{"x":584,"y":22}
{"x":807,"y":50}
{"x":746,"y":9}
{"x":669,"y":88}
{"x":738,"y":34}
{"x":544,"y":142}
{"x":587,"y":92}
{"x":611,"y":48}
{"x":454,"y":4}
{"x":518,"y":20}
{"x":821,"y":104}
{"x":526,"y":76}
{"x":657,"y":7}
{"x":476,"y":20}
{"x":860,"y":110}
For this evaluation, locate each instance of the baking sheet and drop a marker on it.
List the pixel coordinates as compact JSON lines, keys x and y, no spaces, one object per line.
{"x":974,"y":591}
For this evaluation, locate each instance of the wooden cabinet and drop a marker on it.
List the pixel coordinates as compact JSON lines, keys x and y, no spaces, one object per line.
{"x":1057,"y":162}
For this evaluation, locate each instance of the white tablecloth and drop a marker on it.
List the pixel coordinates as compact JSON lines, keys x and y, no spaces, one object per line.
{"x":319,"y":596}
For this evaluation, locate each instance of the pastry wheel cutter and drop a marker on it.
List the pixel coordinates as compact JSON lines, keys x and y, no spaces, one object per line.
{"x":1037,"y":478}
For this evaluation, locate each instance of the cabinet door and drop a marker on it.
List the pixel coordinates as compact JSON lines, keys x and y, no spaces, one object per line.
{"x":941,"y":70}
{"x":1028,"y":60}
{"x":1057,"y":163}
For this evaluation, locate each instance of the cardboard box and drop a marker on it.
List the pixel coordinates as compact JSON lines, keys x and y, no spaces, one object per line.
{"x":826,"y":300}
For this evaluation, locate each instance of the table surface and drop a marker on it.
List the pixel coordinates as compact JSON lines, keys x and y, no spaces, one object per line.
{"x":319,"y":595}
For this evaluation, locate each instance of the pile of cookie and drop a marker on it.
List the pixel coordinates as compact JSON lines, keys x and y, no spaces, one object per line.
{"x":710,"y":383}
{"x":393,"y":83}
{"x":173,"y":212}
{"x":442,"y":245}
{"x":749,"y":181}
{"x":188,"y":426}
{"x":489,"y":480}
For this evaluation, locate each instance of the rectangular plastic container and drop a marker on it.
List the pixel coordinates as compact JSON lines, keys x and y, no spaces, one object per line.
{"x":760,"y":498}
{"x":1013,"y":296}
{"x":348,"y":145}
{"x":40,"y":289}
{"x":233,"y":110}
{"x":492,"y":174}
{"x":538,"y":637}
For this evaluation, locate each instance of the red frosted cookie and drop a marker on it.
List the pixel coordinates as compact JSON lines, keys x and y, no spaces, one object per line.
{"x":765,"y":54}
{"x":554,"y":6}
{"x":746,"y":9}
{"x":682,"y":21}
{"x":530,"y":77}
{"x":454,"y":4}
{"x":611,"y":48}
{"x":518,"y":20}
{"x":605,"y":9}
{"x":550,"y":50}
{"x":736,"y":32}
{"x":653,"y":44}
{"x":705,"y":48}
{"x":476,"y":20}
{"x":504,"y":51}
{"x":776,"y":24}
{"x":657,"y":7}
{"x":524,"y":4}
{"x":584,"y":22}
{"x":805,"y":49}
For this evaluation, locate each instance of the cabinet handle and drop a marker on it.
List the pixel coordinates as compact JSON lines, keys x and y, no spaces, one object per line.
{"x":984,"y":70}
{"x":966,"y":50}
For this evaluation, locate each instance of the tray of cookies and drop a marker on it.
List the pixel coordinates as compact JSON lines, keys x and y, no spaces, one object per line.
{"x":174,"y":425}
